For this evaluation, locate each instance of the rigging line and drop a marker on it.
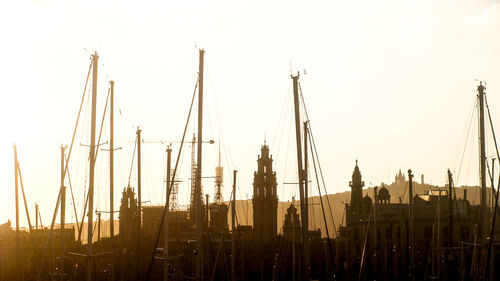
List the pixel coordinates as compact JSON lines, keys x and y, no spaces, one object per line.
{"x":316,"y":153}
{"x":321,"y":201}
{"x":77,"y":119}
{"x":286,"y":165}
{"x":470,"y":155}
{"x":221,"y":129}
{"x":49,"y":238}
{"x":282,"y":130}
{"x":458,"y":213}
{"x":303,"y":102}
{"x":72,"y":197}
{"x":65,"y":168}
{"x":313,"y":142}
{"x":102,"y":125}
{"x":229,"y":208}
{"x":80,"y":229}
{"x":172,"y":182}
{"x":471,"y":114}
{"x":495,"y":193}
{"x":165,"y":175}
{"x":364,"y":247}
{"x":93,"y":231}
{"x":18,"y":167}
{"x":211,"y":125}
{"x":282,"y":113}
{"x":493,"y":134}
{"x":430,"y":259}
{"x":132,"y":163}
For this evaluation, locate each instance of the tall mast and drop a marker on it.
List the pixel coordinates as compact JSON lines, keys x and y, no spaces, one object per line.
{"x":438,"y":236}
{"x":293,"y":242}
{"x":450,"y":207}
{"x":139,"y":202}
{"x":90,"y":269}
{"x":36,"y":215}
{"x":199,"y":213}
{"x":303,"y":214}
{"x":192,"y":205}
{"x":410,"y":223}
{"x":16,"y":174}
{"x":111,"y":163}
{"x":233,"y":228}
{"x":306,"y":184}
{"x":492,"y":200}
{"x":63,"y":213}
{"x":375,"y":238}
{"x":167,"y":211}
{"x":218,"y":180}
{"x":111,"y":176}
{"x":98,"y":226}
{"x":482,"y":164}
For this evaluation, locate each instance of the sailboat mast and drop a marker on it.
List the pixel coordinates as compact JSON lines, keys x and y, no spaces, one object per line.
{"x":111,"y":163}
{"x":233,"y":228}
{"x":410,"y":222}
{"x":438,"y":236}
{"x":17,"y":209}
{"x":482,"y":163}
{"x":303,"y":213}
{"x":139,"y":202}
{"x":111,"y":176}
{"x":36,"y":216}
{"x":63,"y":212}
{"x":90,"y":269}
{"x":98,"y":226}
{"x":450,"y":211}
{"x":306,"y":181}
{"x":167,"y":213}
{"x":199,"y":218}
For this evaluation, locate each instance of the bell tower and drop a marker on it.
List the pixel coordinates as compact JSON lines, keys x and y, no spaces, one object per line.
{"x":356,"y":189}
{"x":265,"y":199}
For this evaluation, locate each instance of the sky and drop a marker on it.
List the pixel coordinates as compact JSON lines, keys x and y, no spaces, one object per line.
{"x":389,"y":83}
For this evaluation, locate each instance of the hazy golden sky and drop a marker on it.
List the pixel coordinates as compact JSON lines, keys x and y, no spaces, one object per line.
{"x":391,"y":83}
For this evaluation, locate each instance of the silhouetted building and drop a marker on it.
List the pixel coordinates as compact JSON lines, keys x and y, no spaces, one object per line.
{"x":5,"y":228}
{"x":356,"y":189}
{"x":291,"y":225}
{"x":376,"y":239}
{"x":177,"y":222}
{"x":128,"y":218}
{"x":399,"y":179}
{"x":218,"y":217}
{"x":265,"y":199}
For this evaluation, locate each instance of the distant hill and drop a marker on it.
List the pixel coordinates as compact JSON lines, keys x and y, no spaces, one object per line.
{"x":338,"y":200}
{"x":244,"y":210}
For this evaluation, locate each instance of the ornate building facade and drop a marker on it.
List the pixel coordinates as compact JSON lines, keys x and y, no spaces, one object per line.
{"x":265,"y":199}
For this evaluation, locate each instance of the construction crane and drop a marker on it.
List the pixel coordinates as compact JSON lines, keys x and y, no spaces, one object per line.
{"x":218,"y":181}
{"x":174,"y":192}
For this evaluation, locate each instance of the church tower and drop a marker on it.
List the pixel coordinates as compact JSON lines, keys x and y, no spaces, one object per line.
{"x":400,"y":179}
{"x":265,"y":199}
{"x":356,"y":189}
{"x":128,"y":218}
